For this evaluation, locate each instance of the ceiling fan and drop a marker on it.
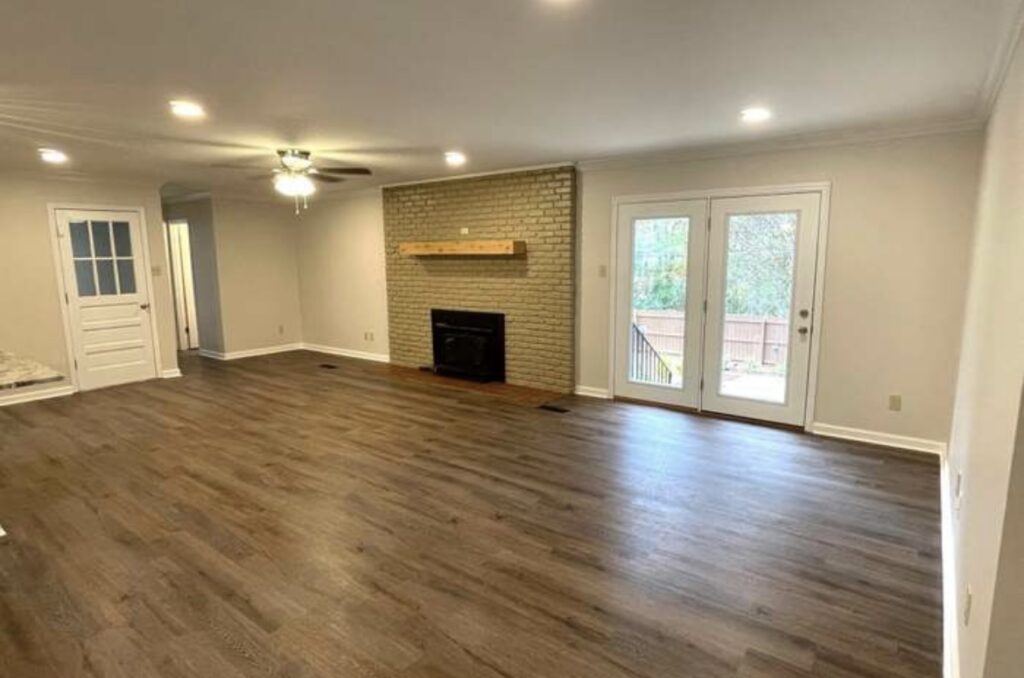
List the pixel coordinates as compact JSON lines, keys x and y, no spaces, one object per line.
{"x":297,"y":176}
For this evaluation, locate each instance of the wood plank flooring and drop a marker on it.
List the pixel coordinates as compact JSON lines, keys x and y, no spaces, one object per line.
{"x":267,"y":517}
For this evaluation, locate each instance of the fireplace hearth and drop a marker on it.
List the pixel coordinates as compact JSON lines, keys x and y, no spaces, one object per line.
{"x":469,"y":344}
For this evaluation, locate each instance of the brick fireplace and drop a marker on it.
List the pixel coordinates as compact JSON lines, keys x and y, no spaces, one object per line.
{"x":534,"y":291}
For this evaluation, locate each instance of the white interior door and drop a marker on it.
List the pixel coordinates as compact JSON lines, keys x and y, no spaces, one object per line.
{"x":184,"y":289}
{"x":108,"y":296}
{"x":762,"y":257}
{"x":660,"y":292}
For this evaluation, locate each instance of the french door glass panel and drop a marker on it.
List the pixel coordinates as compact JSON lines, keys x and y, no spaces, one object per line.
{"x":660,"y":268}
{"x":761,"y":261}
{"x":759,"y":257}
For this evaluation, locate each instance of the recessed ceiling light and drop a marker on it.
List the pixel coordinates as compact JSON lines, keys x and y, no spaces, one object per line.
{"x":755,"y":114}
{"x":455,"y":158}
{"x":189,"y":110}
{"x":52,"y":156}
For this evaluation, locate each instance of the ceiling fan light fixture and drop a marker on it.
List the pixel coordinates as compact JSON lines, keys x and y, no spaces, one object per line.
{"x":294,"y":185}
{"x":52,"y":156}
{"x":188,"y":110}
{"x":296,"y":161}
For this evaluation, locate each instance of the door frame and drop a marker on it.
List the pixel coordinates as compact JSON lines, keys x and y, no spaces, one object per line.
{"x":823,"y":188}
{"x":62,"y":285}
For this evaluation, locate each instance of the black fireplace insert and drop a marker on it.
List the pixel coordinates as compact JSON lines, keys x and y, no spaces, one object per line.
{"x":469,"y":344}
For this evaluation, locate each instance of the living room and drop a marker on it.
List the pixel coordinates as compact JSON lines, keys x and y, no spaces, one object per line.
{"x":512,"y":339}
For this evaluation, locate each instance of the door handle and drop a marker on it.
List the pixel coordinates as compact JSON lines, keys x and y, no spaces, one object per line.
{"x":144,"y":307}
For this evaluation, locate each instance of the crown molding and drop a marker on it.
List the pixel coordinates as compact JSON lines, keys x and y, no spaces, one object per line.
{"x":75,"y":177}
{"x":794,"y":142}
{"x":477,"y":175}
{"x":186,"y":197}
{"x":1005,"y":53}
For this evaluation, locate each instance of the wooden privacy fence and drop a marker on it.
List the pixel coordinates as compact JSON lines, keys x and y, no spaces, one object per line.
{"x":749,"y":339}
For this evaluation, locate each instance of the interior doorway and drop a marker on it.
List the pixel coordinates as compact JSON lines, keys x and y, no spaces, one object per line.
{"x":105,"y":276}
{"x":715,"y":303}
{"x":183,"y":283}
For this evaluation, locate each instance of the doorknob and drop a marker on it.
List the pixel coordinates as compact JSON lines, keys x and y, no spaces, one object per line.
{"x":144,"y":307}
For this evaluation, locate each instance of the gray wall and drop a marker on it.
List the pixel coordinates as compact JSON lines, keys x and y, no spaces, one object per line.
{"x":341,"y":275}
{"x":902,"y":217}
{"x":1005,"y":656}
{"x":199,"y":215}
{"x":30,"y":304}
{"x":985,"y":421}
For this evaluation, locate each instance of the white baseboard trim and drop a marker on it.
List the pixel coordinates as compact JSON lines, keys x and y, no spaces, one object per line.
{"x":42,"y":394}
{"x":950,"y":593}
{"x":249,"y":353}
{"x":348,"y":353}
{"x":591,"y":392}
{"x":879,"y":438}
{"x":170,"y":374}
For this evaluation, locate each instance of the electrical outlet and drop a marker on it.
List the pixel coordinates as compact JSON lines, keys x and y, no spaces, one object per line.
{"x":968,"y":603}
{"x":896,"y":402}
{"x":464,"y":231}
{"x":280,"y":329}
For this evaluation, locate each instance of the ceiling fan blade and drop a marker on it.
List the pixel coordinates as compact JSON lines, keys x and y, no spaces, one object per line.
{"x":234,"y":166}
{"x":325,"y":179}
{"x":353,"y":171}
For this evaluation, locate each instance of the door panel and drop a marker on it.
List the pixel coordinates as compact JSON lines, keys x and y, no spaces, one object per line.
{"x":184,"y":291}
{"x":107,"y":297}
{"x":761,"y":260}
{"x":660,"y":264}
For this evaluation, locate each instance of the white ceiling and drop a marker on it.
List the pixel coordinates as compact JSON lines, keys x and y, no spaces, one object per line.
{"x":394,"y":83}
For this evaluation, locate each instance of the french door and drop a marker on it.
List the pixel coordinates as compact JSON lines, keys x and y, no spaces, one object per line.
{"x":662,"y":248}
{"x":106,"y":289}
{"x":727,"y":327}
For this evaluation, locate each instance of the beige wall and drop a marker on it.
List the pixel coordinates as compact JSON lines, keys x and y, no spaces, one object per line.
{"x":989,"y":390}
{"x":1005,"y":655}
{"x":342,"y":284}
{"x":898,"y":251}
{"x":205,"y":278}
{"x":258,"y":273}
{"x":29,"y":302}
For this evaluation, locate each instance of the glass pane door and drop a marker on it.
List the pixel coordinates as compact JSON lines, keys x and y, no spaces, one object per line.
{"x":658,"y":312}
{"x":660,"y":256}
{"x":761,"y":259}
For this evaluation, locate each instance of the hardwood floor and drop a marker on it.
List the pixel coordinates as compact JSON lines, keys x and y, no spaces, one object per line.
{"x":268,"y":517}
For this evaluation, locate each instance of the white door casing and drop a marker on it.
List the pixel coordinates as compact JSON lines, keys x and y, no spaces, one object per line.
{"x":106,"y":289}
